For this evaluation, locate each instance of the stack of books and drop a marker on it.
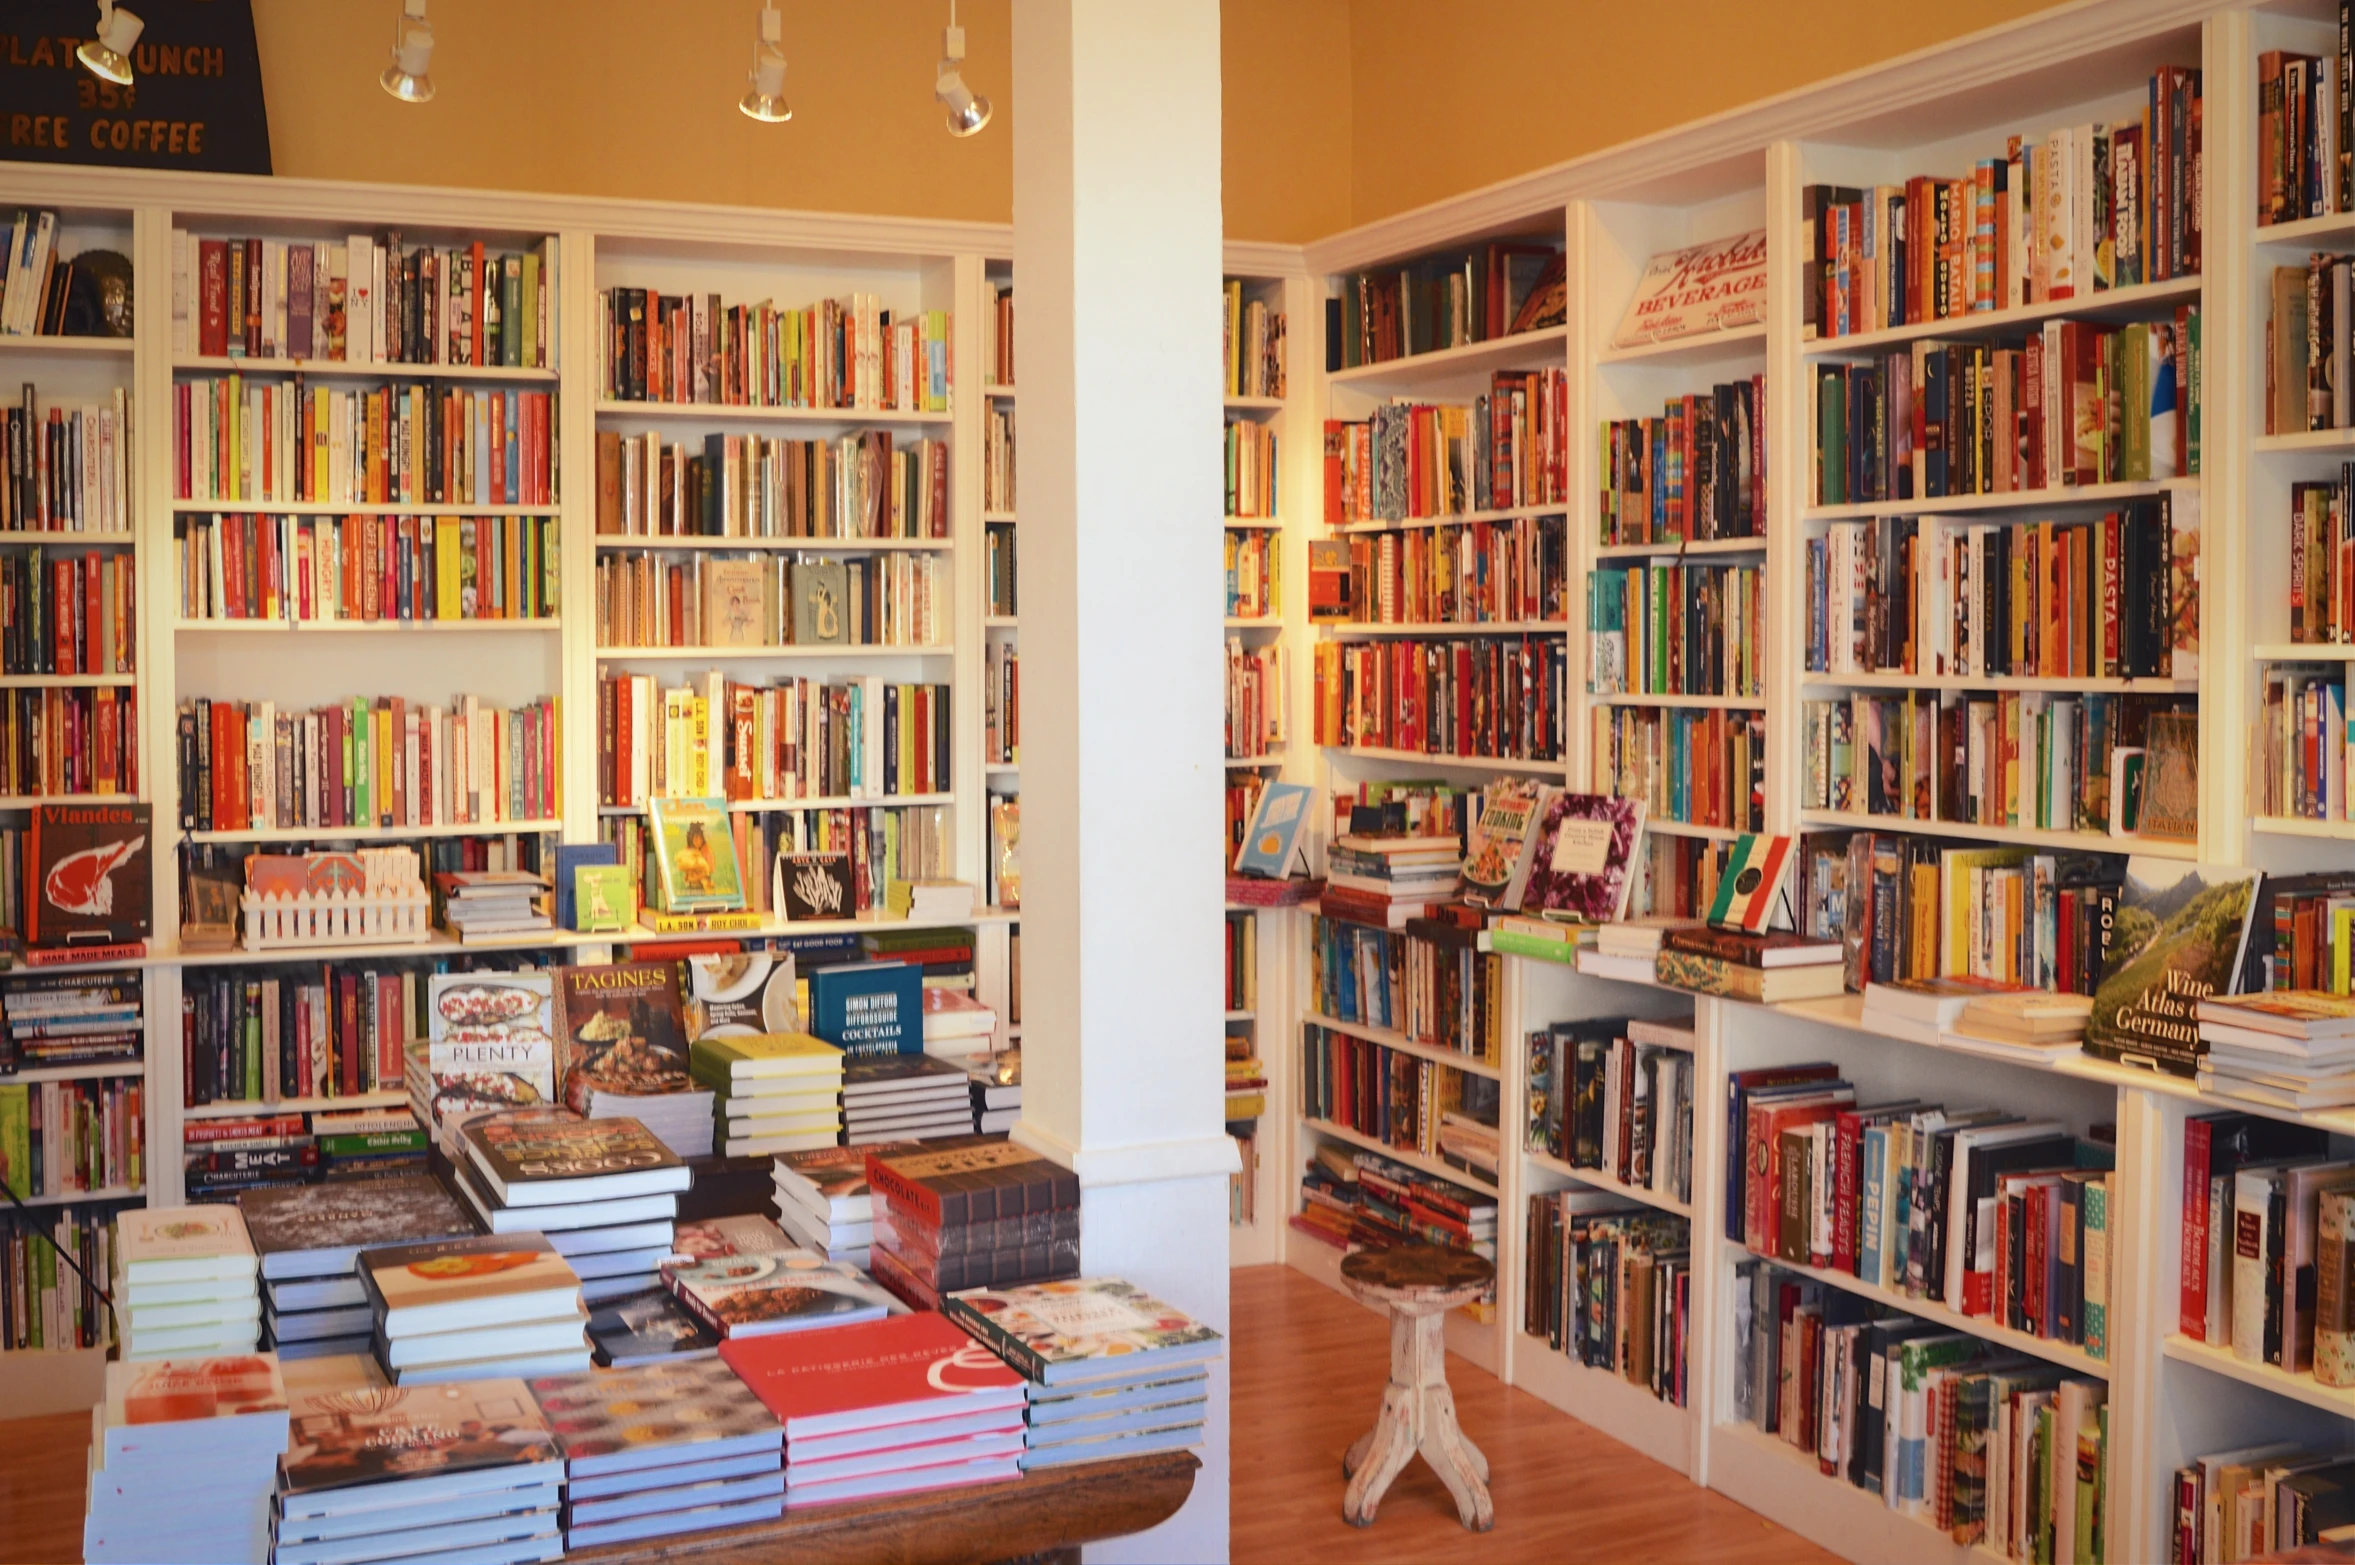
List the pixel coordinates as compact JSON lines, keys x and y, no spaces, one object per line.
{"x":2289,"y":1049}
{"x":956,"y":1025}
{"x":997,"y":1091}
{"x":1113,"y":1371}
{"x":59,"y":1019}
{"x":681,"y":1446}
{"x":460,"y":1472}
{"x":1549,"y":940}
{"x":185,"y":1455}
{"x":987,"y":1214}
{"x":1920,"y":1009}
{"x":904,"y":1097}
{"x":184,"y":1282}
{"x":310,"y":1237}
{"x":1767,"y":969}
{"x":481,"y":904}
{"x":2029,"y":1023}
{"x":824,"y":1202}
{"x":479,"y":1308}
{"x":367,"y":1143}
{"x":887,"y":1407}
{"x":1385,"y":881}
{"x":1631,"y":950}
{"x":772,"y":1092}
{"x":604,"y":1191}
{"x":762,"y":1294}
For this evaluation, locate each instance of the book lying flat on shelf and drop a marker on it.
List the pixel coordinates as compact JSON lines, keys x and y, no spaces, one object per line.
{"x":529,"y":1162}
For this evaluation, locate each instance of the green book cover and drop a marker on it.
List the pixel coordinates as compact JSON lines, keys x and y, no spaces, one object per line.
{"x":16,"y":1138}
{"x":1831,"y":436}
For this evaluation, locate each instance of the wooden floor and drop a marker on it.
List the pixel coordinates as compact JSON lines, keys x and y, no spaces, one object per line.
{"x":1308,"y":1371}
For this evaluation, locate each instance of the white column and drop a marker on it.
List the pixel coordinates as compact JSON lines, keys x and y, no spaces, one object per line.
{"x":1116,"y":265}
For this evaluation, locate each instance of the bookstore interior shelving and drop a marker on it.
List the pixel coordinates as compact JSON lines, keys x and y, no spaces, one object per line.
{"x":1715,"y":747}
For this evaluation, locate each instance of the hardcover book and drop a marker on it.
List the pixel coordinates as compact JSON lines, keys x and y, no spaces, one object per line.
{"x":723,"y":1062}
{"x":869,"y":1007}
{"x":623,"y":1030}
{"x":1499,"y":854}
{"x":204,"y":1397}
{"x":1749,"y":887}
{"x":546,"y":1161}
{"x":90,"y":873}
{"x":948,"y":1187}
{"x":732,"y":993}
{"x":489,"y":1043}
{"x":571,"y":858}
{"x":1267,"y":847}
{"x":1586,"y":850}
{"x":833,"y":1180}
{"x":2177,"y":939}
{"x":877,"y":1374}
{"x":717,"y":1238}
{"x":182,"y":1244}
{"x":604,"y":899}
{"x":345,"y":1439}
{"x":695,"y":856}
{"x":1088,"y":1329}
{"x":789,"y":1290}
{"x":821,"y":596}
{"x":654,"y":1415}
{"x":641,"y":1328}
{"x":458,"y":1284}
{"x":318,"y":1230}
{"x":814,"y":886}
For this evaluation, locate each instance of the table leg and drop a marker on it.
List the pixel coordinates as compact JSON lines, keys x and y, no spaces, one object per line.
{"x":1456,"y":1460}
{"x":1356,"y":1453}
{"x":1385,"y":1453}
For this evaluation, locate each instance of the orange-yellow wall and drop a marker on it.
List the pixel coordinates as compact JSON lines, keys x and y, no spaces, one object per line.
{"x":1337,"y":111}
{"x":1505,"y":86}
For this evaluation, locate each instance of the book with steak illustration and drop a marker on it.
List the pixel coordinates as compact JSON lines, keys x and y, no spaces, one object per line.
{"x":491,"y":1043}
{"x":623,"y":1030}
{"x":89,"y":873}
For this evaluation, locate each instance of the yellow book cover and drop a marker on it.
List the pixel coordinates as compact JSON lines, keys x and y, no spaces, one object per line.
{"x":445,"y":567}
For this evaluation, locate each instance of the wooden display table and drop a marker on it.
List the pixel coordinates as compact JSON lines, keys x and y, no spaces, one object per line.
{"x":1042,"y":1513}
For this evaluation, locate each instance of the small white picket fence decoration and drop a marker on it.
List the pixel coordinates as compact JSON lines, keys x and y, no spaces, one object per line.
{"x":338,"y":918}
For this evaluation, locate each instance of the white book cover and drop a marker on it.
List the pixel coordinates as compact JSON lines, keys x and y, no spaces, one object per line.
{"x":183,"y":1244}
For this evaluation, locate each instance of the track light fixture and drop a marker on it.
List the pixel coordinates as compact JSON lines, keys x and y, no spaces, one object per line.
{"x":109,"y":54}
{"x":968,"y":111}
{"x":406,"y":77}
{"x":764,"y":99}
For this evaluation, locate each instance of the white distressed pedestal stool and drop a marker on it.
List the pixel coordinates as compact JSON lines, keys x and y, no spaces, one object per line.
{"x":1418,"y":1284}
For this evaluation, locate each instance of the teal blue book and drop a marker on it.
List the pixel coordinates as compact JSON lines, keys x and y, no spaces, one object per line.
{"x":1872,"y":1196}
{"x":869,"y":1007}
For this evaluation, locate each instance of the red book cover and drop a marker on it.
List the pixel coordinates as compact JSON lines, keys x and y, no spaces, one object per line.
{"x":899,"y":1370}
{"x":1847,"y":1150}
{"x":2192,"y":1315}
{"x":212,"y":298}
{"x":252,"y":326}
{"x":1763,"y":1178}
{"x":2033,"y":1257}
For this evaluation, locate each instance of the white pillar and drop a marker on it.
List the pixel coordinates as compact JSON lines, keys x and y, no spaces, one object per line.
{"x":1116,"y":268}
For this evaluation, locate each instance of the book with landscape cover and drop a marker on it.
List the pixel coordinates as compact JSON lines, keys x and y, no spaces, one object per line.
{"x":1086,"y":1329}
{"x":532,"y":1161}
{"x":950,"y":1187}
{"x":622,"y":1029}
{"x":653,"y":1416}
{"x":457,"y":1284}
{"x":1583,"y":865}
{"x":347,"y":1440}
{"x":791,"y":1290}
{"x":317,"y":1230}
{"x":2177,"y":940}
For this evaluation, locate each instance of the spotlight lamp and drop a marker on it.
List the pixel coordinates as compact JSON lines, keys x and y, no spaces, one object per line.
{"x":406,"y":77}
{"x":968,"y":111}
{"x":109,"y":54}
{"x":764,"y":98}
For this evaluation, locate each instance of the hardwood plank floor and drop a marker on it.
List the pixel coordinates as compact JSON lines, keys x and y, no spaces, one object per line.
{"x":42,"y":1487}
{"x":1308,"y":1371}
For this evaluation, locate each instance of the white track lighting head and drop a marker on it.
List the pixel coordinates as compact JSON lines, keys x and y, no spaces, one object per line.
{"x":406,"y":77}
{"x":109,"y":54}
{"x":764,"y":99}
{"x":968,"y":111}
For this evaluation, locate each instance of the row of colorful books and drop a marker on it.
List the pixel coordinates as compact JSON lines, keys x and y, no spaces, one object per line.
{"x":364,"y":300}
{"x":2112,"y":597}
{"x":68,"y":613}
{"x":1497,"y":698}
{"x":83,"y":743}
{"x":2080,"y":211}
{"x":1941,"y":419}
{"x":1255,"y":574}
{"x":385,"y":762}
{"x":238,"y":437}
{"x":1680,"y":629}
{"x":67,"y":1019}
{"x":1615,"y":1095}
{"x":41,"y":293}
{"x":1253,"y":344}
{"x":997,"y":458}
{"x":1610,"y":1286}
{"x":61,"y":1137}
{"x":876,"y":845}
{"x":1450,"y":299}
{"x":859,"y":737}
{"x":2257,"y":1500}
{"x":66,"y":468}
{"x":901,"y":599}
{"x":2302,"y":136}
{"x":1250,"y":469}
{"x":1399,"y":1100}
{"x":43,"y":1303}
{"x":1415,"y":459}
{"x":1469,"y":574}
{"x":316,"y":570}
{"x":1987,"y":1447}
{"x":867,"y":485}
{"x":1696,"y":472}
{"x":1428,"y":981}
{"x":1254,"y":698}
{"x":1701,"y":768}
{"x":1354,"y":1199}
{"x":853,"y":353}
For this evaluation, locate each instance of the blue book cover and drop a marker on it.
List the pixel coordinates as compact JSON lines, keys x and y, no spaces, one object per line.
{"x":569,"y":857}
{"x":1870,"y":1197}
{"x":1275,"y":830}
{"x":869,"y":1007}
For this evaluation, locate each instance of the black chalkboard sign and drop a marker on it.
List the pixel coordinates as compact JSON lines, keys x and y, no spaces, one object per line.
{"x":195,"y":101}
